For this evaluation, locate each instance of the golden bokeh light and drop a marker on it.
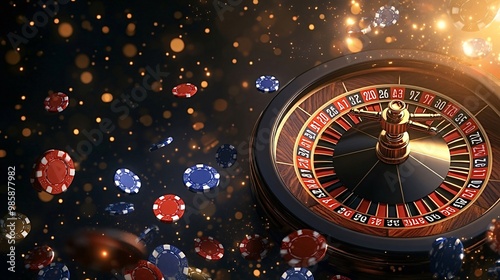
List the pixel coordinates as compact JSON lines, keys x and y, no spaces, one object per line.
{"x":65,"y":30}
{"x":45,"y":197}
{"x":129,"y":50}
{"x":177,"y":45}
{"x":146,"y":120}
{"x":106,"y":97}
{"x":220,"y":105}
{"x":12,"y":57}
{"x":82,"y":61}
{"x":26,"y":132}
{"x":86,"y":77}
{"x":198,"y":126}
{"x":354,"y":44}
{"x":167,"y":114}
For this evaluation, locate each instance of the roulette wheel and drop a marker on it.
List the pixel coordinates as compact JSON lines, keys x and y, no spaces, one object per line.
{"x":382,"y":152}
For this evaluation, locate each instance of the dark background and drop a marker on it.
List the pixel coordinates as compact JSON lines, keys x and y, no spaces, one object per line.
{"x":245,"y":41}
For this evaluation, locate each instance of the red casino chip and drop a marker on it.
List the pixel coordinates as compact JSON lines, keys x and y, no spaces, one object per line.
{"x":144,"y":270}
{"x":493,"y":235}
{"x":340,"y":277}
{"x":56,"y":102}
{"x":209,"y":248}
{"x":55,"y":171}
{"x":185,"y":90}
{"x":40,"y":257}
{"x":169,"y":208}
{"x":303,"y":248}
{"x":254,"y":247}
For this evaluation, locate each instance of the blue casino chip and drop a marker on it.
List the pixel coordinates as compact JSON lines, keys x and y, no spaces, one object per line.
{"x":226,"y":155}
{"x":386,"y":16}
{"x":297,"y":273}
{"x":201,"y":178}
{"x":148,"y":235}
{"x":446,"y":257}
{"x":267,"y":84}
{"x":171,"y":261}
{"x":494,"y":272}
{"x":161,"y":144}
{"x":127,"y":181}
{"x":55,"y":271}
{"x":120,"y":208}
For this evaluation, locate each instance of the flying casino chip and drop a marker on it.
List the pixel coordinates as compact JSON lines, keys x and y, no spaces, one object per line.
{"x":198,"y":274}
{"x":21,"y":229}
{"x":297,"y":273}
{"x":144,"y":270}
{"x":446,"y":257}
{"x":120,"y":208}
{"x":254,"y":247}
{"x":161,"y":144}
{"x":386,"y":16}
{"x":472,"y":15}
{"x":208,"y":248}
{"x":226,"y":155}
{"x":303,"y":248}
{"x":56,"y":102}
{"x":171,"y":261}
{"x":148,"y":235}
{"x":127,"y":181}
{"x":267,"y":84}
{"x":54,"y":271}
{"x":39,"y":257}
{"x":493,"y":235}
{"x":494,"y":271}
{"x":185,"y":90}
{"x":476,"y":48}
{"x":169,"y":208}
{"x":55,"y":171}
{"x":201,"y":178}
